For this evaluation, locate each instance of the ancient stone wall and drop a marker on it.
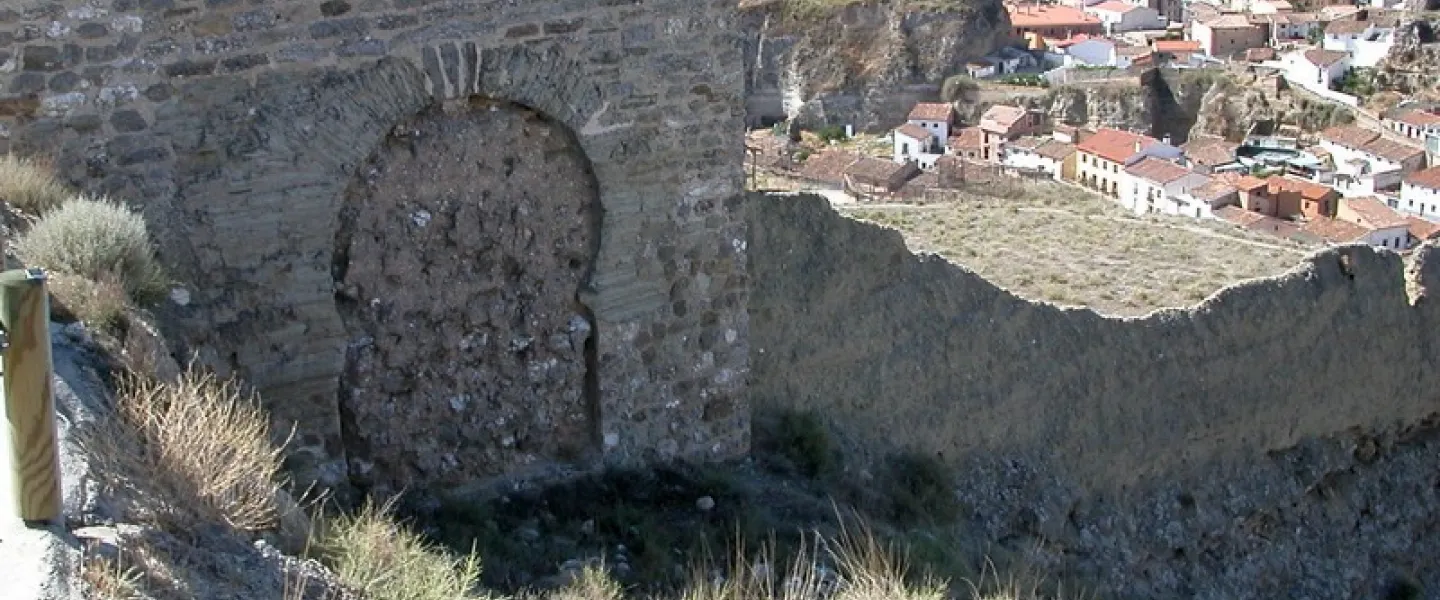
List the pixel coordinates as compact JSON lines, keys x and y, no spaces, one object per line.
{"x":914,"y":351}
{"x":309,"y":167}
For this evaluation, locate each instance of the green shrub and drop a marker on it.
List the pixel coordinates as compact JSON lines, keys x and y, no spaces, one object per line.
{"x":805,"y":441}
{"x":802,"y":154}
{"x":958,"y":87}
{"x":29,"y":186}
{"x":98,"y":240}
{"x":832,"y":133}
{"x":922,"y":489}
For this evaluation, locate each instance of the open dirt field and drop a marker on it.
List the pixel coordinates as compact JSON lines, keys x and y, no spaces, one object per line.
{"x":1067,"y":246}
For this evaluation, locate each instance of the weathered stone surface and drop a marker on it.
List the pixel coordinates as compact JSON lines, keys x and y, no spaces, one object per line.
{"x":238,"y":126}
{"x":462,"y":249}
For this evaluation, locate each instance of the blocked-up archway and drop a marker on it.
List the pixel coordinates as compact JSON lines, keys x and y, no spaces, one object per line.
{"x":464,"y":242}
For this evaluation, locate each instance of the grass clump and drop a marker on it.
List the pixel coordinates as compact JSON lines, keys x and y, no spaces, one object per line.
{"x":382,"y":560}
{"x":97,"y":239}
{"x":194,"y":451}
{"x":922,"y":489}
{"x":100,"y":304}
{"x":28,"y":185}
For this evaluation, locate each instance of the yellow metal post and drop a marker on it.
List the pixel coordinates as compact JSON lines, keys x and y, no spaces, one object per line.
{"x":29,"y":399}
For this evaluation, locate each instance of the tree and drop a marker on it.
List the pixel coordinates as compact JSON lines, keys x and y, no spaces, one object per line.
{"x":1315,"y":36}
{"x":957,"y":88}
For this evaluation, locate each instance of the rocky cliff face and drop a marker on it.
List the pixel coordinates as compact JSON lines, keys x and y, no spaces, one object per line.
{"x":865,"y":64}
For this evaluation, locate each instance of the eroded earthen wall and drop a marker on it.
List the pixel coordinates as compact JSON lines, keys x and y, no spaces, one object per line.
{"x":239,"y":126}
{"x":914,"y":351}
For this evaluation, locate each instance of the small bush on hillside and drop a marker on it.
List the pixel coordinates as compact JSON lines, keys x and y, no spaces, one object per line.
{"x":99,"y":304}
{"x":922,"y":489}
{"x":958,"y":87}
{"x":832,"y":133}
{"x":195,"y":451}
{"x":97,"y":240}
{"x":383,"y":560}
{"x":804,"y":440}
{"x":29,"y":186}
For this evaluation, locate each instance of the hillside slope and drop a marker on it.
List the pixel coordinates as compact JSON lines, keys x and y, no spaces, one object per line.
{"x":862,"y":62}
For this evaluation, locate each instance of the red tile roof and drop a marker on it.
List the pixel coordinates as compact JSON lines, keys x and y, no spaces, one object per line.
{"x":1392,"y":150}
{"x":1349,"y":136}
{"x":1001,"y":118}
{"x":932,"y":111}
{"x":1031,"y":16}
{"x":1238,"y":216}
{"x":1374,"y":214}
{"x":828,"y":166}
{"x":1346,"y":27}
{"x":1114,"y":6}
{"x":1418,"y":118}
{"x":1177,"y":46}
{"x":1055,"y":149}
{"x":1324,"y":58}
{"x":1115,"y":145}
{"x":1157,"y":170}
{"x":1215,"y":189}
{"x":1306,"y":189}
{"x":1422,"y":229}
{"x":1229,"y":21}
{"x":1249,"y":183}
{"x":1428,"y":178}
{"x":1334,"y":231}
{"x":877,"y":171}
{"x":914,"y":131}
{"x":967,"y":138}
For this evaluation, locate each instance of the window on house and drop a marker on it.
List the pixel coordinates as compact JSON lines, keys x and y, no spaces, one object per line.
{"x":905,"y":149}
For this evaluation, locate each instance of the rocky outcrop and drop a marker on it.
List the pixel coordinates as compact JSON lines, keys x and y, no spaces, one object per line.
{"x":864,"y":65}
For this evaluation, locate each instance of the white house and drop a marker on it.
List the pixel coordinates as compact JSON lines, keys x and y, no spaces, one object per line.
{"x":914,"y":143}
{"x":1411,"y":122}
{"x":1314,"y":68}
{"x":1420,"y":194}
{"x":1383,"y":226}
{"x":1154,"y":185}
{"x":982,"y":69}
{"x":1095,"y":52}
{"x":1292,"y":27}
{"x":1038,"y":155}
{"x":934,"y":117}
{"x":1367,"y":42}
{"x":1118,"y":16}
{"x":1347,"y":143}
{"x":1101,"y":158}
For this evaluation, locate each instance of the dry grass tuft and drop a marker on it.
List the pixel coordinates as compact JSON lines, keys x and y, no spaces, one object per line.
{"x":382,"y":560}
{"x":194,"y":451}
{"x":99,"y":304}
{"x":110,"y":579}
{"x":98,"y":240}
{"x":28,"y":185}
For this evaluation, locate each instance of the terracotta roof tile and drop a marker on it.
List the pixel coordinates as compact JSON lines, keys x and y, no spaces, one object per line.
{"x":1001,"y":118}
{"x":1417,"y":118}
{"x":1372,"y":213}
{"x":967,"y":138}
{"x":1324,"y":58}
{"x":1346,"y":27}
{"x":1029,"y":15}
{"x":1055,"y":149}
{"x":1422,"y":229}
{"x":1247,"y":183}
{"x":1307,"y":190}
{"x":1115,"y":145}
{"x":914,"y":132}
{"x":1238,"y":216}
{"x":1334,"y":231}
{"x":1214,"y":189}
{"x":1349,"y":136}
{"x":932,"y":111}
{"x":875,"y":170}
{"x":1114,"y":6}
{"x":1028,"y":142}
{"x":1392,"y":150}
{"x":828,"y":166}
{"x":1177,"y":46}
{"x":1229,"y":21}
{"x":1157,"y":170}
{"x":1428,"y":178}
